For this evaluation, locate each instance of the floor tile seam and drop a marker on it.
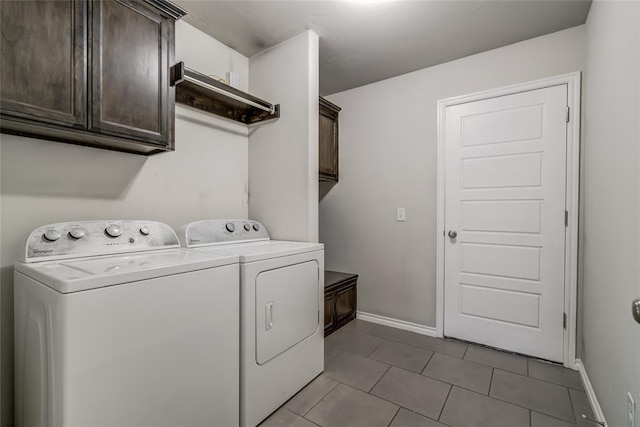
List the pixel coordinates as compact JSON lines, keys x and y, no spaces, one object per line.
{"x":397,"y":404}
{"x":408,"y":409}
{"x":471,"y":361}
{"x":404,"y":407}
{"x":495,"y":367}
{"x":508,"y":403}
{"x":433,"y":353}
{"x":491,"y":381}
{"x":524,"y":407}
{"x":323,"y":396}
{"x":306,"y":419}
{"x":377,"y":347}
{"x":378,"y":380}
{"x":466,"y":349}
{"x":551,"y":382}
{"x":573,"y":407}
{"x":459,"y":386}
{"x":551,"y":416}
{"x":394,"y":415}
{"x":445,"y":402}
{"x":397,"y":366}
{"x":388,"y":339}
{"x":537,"y":379}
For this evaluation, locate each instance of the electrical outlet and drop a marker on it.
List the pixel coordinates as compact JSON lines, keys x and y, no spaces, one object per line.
{"x":401,"y":215}
{"x":631,"y":411}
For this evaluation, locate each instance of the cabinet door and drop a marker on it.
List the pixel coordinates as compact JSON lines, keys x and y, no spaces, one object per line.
{"x":44,"y":61}
{"x":346,"y":303}
{"x":131,"y":54}
{"x":328,"y":142}
{"x":329,"y":315}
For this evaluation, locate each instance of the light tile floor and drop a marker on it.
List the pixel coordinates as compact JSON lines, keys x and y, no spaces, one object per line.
{"x":381,"y":376}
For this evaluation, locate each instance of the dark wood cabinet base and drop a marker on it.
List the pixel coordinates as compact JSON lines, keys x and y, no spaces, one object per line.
{"x":340,"y":300}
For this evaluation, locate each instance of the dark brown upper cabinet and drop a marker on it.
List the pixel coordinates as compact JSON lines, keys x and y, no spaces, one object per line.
{"x":44,"y":60}
{"x":328,"y":141}
{"x":87,"y":72}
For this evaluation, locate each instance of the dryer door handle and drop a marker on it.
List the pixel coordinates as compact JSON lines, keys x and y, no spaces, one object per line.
{"x":268,"y":315}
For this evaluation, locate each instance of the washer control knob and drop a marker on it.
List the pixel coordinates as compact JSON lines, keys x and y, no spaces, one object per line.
{"x":247,"y":227}
{"x":230,"y":227}
{"x":52,"y":235}
{"x":144,"y":230}
{"x":113,"y":230}
{"x":77,"y":233}
{"x":256,"y":227}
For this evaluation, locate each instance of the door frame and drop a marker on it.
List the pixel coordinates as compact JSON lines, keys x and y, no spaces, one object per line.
{"x":573,"y":82}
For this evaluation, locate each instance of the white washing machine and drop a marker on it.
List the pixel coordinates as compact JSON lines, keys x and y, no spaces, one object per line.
{"x":116,"y":325}
{"x":281,"y":307}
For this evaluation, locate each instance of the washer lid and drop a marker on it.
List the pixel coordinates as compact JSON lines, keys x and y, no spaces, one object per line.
{"x":81,"y":274}
{"x":258,"y":251}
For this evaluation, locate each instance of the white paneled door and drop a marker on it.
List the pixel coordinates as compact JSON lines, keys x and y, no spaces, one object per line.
{"x":505,"y":179}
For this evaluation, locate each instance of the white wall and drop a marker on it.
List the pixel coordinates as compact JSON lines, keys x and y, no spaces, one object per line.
{"x":611,"y":244}
{"x":44,"y":182}
{"x":388,"y":142}
{"x":283,"y":156}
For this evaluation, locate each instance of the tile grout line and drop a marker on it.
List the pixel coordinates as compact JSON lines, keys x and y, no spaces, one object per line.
{"x":520,"y":406}
{"x":445,"y":402}
{"x":376,"y":383}
{"x":491,"y":381}
{"x":394,"y":415}
{"x":323,"y":396}
{"x":573,"y":407}
{"x":466,"y":348}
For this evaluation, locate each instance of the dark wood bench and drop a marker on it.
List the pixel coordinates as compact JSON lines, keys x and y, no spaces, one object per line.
{"x":340,"y":300}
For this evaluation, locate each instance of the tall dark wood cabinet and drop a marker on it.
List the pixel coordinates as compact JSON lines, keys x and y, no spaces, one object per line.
{"x":89,"y":72}
{"x":44,"y":62}
{"x":328,"y":141}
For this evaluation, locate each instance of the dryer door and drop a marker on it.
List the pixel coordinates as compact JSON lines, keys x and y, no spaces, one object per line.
{"x":287,"y":308}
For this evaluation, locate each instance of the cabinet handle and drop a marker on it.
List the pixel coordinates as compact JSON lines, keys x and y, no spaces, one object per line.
{"x":268,"y":314}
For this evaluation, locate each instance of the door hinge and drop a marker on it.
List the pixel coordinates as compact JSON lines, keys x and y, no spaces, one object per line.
{"x":568,"y":114}
{"x":566,"y":218}
{"x":564,"y":320}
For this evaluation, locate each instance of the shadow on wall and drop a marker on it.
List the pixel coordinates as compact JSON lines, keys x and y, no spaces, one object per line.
{"x":45,"y":168}
{"x":6,"y":361}
{"x":324,"y":188}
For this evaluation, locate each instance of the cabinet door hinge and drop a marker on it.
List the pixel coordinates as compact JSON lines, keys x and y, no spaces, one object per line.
{"x":564,"y":320}
{"x":566,"y":218}
{"x":568,"y":114}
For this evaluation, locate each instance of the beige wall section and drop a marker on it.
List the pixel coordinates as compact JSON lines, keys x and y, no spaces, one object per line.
{"x":283,"y":155}
{"x":44,"y":182}
{"x":388,"y":141}
{"x":611,"y":244}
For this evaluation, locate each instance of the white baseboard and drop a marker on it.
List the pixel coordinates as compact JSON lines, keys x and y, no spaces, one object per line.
{"x":591,"y":394}
{"x":395,"y":323}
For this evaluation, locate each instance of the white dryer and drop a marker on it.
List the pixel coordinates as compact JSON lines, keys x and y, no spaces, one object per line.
{"x":281,"y":304}
{"x":116,"y":325}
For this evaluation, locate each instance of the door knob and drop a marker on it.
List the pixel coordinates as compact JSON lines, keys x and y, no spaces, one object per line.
{"x":452,"y":234}
{"x":635,"y":309}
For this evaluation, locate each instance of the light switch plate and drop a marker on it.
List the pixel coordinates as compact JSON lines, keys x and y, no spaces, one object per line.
{"x":401,"y":215}
{"x":631,"y":411}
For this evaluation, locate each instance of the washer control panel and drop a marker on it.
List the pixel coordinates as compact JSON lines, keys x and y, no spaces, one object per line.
{"x":88,"y":238}
{"x":222,"y":231}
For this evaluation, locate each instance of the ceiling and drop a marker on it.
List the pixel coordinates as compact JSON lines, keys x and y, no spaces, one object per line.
{"x":364,"y":41}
